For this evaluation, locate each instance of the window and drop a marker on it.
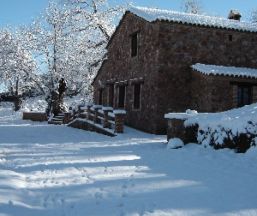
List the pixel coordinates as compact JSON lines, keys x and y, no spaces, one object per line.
{"x":122,"y":93}
{"x":134,"y":44}
{"x":100,"y":98}
{"x":230,"y":37}
{"x":244,"y":95}
{"x":111,"y":95}
{"x":137,"y":96}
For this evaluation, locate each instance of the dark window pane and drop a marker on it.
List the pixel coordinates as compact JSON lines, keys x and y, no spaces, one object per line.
{"x":137,"y":96}
{"x":122,"y":91}
{"x":111,"y":95}
{"x":134,"y":44}
{"x":100,"y":102}
{"x":244,"y":95}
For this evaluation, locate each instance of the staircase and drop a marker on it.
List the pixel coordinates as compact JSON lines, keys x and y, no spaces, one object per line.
{"x":57,"y":120}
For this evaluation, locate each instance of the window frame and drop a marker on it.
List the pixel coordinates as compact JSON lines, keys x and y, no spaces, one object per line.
{"x":100,"y":96}
{"x":230,"y":38}
{"x":139,"y":97}
{"x":134,"y":48}
{"x":119,"y":97}
{"x":240,"y":94}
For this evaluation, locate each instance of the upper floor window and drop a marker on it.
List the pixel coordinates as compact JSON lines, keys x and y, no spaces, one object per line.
{"x":230,"y":37}
{"x":244,"y":95}
{"x":134,"y":44}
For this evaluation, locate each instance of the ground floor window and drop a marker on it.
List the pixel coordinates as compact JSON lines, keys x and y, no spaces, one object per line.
{"x":244,"y":95}
{"x":111,"y":95}
{"x":122,"y":95}
{"x":137,"y":96}
{"x":100,"y":97}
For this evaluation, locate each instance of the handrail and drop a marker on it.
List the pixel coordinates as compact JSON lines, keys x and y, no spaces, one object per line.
{"x":105,"y":116}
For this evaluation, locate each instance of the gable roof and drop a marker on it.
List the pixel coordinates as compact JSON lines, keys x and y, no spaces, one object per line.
{"x":151,"y":15}
{"x":225,"y":70}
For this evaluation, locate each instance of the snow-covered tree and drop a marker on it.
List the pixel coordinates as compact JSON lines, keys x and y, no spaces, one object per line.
{"x":94,"y":23}
{"x":16,"y":64}
{"x":69,"y":42}
{"x":253,"y":16}
{"x":191,"y":6}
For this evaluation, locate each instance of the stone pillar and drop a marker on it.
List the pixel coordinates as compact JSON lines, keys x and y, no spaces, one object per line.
{"x":119,"y":120}
{"x":67,"y":117}
{"x":106,"y":123}
{"x":177,"y":129}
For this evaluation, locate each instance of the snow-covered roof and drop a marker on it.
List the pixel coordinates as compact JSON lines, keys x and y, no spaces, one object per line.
{"x":225,"y":71}
{"x":151,"y":14}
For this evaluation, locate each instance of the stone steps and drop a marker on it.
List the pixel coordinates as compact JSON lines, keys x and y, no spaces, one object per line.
{"x":57,"y":120}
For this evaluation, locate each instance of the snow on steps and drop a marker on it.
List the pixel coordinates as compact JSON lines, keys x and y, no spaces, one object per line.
{"x":57,"y":120}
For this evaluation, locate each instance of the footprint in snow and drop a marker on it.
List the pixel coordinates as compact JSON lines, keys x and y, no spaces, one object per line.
{"x":98,"y":195}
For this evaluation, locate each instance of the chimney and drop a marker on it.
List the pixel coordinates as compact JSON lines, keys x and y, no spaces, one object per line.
{"x":234,"y":15}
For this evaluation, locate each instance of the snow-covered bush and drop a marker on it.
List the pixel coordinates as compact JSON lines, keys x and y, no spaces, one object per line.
{"x":175,"y":143}
{"x":235,"y":129}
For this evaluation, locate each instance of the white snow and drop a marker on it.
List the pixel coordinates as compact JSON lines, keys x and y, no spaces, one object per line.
{"x":118,"y":112}
{"x":225,"y":70}
{"x":237,"y":121}
{"x":49,"y":170}
{"x":175,"y":143}
{"x":181,"y":116}
{"x":152,"y":14}
{"x":107,"y":109}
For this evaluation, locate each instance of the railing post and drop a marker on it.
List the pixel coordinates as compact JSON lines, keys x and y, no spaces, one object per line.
{"x":89,"y":112}
{"x":119,"y":120}
{"x":96,"y":108}
{"x":106,"y":123}
{"x":67,"y":117}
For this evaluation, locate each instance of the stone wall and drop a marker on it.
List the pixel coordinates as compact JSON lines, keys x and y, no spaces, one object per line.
{"x":34,"y":116}
{"x":120,"y":66}
{"x":184,"y":45}
{"x":216,"y":93}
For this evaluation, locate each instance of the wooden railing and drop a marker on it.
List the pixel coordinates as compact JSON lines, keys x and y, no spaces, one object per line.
{"x":107,"y":117}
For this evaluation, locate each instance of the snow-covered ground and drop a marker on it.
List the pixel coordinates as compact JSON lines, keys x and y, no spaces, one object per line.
{"x":60,"y":171}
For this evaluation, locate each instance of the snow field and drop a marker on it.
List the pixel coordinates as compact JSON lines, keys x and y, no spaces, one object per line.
{"x":56,"y":170}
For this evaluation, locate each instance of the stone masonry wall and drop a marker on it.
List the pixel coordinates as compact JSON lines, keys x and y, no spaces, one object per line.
{"x":216,"y":93}
{"x":120,"y":66}
{"x":184,"y":45}
{"x":166,"y":52}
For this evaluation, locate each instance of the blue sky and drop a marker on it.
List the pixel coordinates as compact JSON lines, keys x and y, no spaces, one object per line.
{"x":15,"y":12}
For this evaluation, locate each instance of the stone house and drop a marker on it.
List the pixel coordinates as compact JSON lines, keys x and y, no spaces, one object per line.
{"x":162,"y":61}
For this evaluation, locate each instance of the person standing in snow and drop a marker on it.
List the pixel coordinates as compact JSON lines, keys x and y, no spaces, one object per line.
{"x":62,"y":87}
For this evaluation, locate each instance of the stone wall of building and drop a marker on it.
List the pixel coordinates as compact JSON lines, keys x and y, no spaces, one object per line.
{"x":217,"y":93}
{"x":122,"y":69}
{"x":184,"y":45}
{"x":165,"y":55}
